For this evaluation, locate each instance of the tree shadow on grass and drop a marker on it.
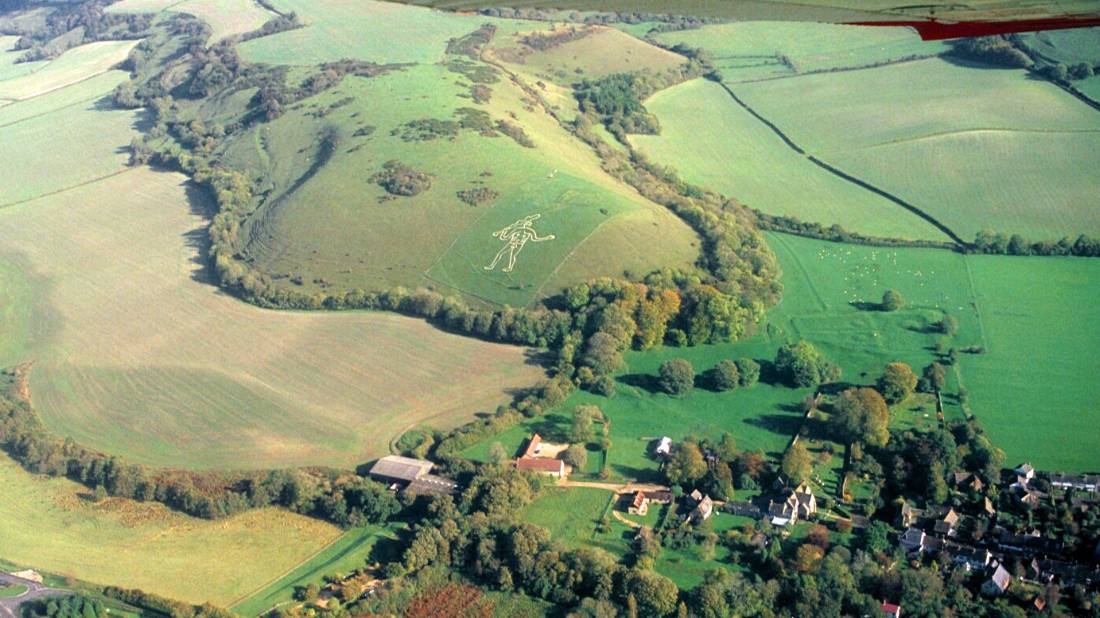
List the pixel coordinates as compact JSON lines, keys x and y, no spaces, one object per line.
{"x":641,"y":475}
{"x":782,"y":424}
{"x":866,"y":306}
{"x":643,"y":381}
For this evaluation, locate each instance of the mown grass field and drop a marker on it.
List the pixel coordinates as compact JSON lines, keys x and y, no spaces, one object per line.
{"x":134,"y":350}
{"x":337,"y":227}
{"x":50,"y":524}
{"x":747,"y":51}
{"x":350,"y":551}
{"x":977,"y":148}
{"x":714,"y":142}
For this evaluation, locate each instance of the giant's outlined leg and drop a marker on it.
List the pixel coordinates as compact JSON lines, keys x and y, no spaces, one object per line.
{"x":512,"y":257}
{"x":500,"y":254}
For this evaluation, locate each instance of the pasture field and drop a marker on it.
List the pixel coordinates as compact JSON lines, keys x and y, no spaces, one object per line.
{"x":810,"y":47}
{"x":1041,"y":185}
{"x":1033,"y":388}
{"x":51,"y":524}
{"x":830,"y":293}
{"x":350,"y":551}
{"x":601,"y":52}
{"x":226,"y":17}
{"x":71,"y":67}
{"x":334,"y":224}
{"x":134,"y":350}
{"x":1069,"y":46}
{"x":975,"y":148}
{"x":808,"y":10}
{"x":9,"y":68}
{"x":85,"y":92}
{"x":337,"y":29}
{"x":715,"y":143}
{"x":571,"y":515}
{"x":1090,"y":87}
{"x":36,"y":154}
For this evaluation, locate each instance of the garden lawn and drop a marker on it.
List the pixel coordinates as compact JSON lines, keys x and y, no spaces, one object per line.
{"x":571,"y":515}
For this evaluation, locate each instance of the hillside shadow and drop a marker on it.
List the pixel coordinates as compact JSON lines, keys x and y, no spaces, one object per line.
{"x":198,"y":239}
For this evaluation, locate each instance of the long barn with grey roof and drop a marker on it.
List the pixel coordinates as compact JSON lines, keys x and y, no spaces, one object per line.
{"x":397,"y":469}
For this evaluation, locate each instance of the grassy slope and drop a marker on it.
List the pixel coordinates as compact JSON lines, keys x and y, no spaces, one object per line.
{"x":226,"y":17}
{"x":714,"y":142}
{"x":855,"y":121}
{"x":120,"y":322}
{"x":747,"y":50}
{"x":1066,"y":46}
{"x":334,"y":227}
{"x":604,"y":51}
{"x":146,"y":546}
{"x":351,"y":551}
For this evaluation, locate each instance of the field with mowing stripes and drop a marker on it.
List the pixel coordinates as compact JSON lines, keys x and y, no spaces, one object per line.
{"x":52,"y":525}
{"x":134,"y":350}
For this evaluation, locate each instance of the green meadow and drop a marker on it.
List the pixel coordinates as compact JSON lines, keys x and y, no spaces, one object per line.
{"x":714,"y":142}
{"x":1020,"y":388}
{"x":977,"y":148}
{"x":747,"y":51}
{"x":331,"y":223}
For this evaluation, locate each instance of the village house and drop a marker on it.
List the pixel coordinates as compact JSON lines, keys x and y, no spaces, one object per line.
{"x":1026,"y":471}
{"x":659,"y":497}
{"x":947,"y":524}
{"x":891,"y":610}
{"x":703,"y":510}
{"x":966,"y":481}
{"x":908,"y":516}
{"x":639,"y":504}
{"x":970,"y":558}
{"x":800,"y":503}
{"x":915,"y":542}
{"x":534,"y":446}
{"x":997,"y":583}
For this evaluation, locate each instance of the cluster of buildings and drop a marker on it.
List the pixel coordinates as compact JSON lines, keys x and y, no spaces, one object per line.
{"x":533,"y":460}
{"x":976,"y":540}
{"x":408,"y":474}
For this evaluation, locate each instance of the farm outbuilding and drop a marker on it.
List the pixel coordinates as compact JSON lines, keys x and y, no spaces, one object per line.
{"x":396,"y":469}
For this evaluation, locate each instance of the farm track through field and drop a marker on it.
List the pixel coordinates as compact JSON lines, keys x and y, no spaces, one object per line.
{"x":936,"y":223}
{"x":69,"y":188}
{"x":907,"y":140}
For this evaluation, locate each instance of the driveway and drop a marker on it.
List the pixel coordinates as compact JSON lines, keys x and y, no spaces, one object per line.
{"x":9,"y":608}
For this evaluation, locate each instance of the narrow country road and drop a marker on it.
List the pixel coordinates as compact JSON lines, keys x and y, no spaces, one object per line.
{"x":619,"y":488}
{"x":9,"y":608}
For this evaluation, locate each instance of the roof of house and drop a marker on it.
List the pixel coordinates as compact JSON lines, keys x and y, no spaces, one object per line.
{"x":533,"y":446}
{"x":540,"y":464}
{"x":401,"y":468}
{"x":1001,"y":578}
{"x":1025,"y":469}
{"x":639,"y":499}
{"x":890,"y":608}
